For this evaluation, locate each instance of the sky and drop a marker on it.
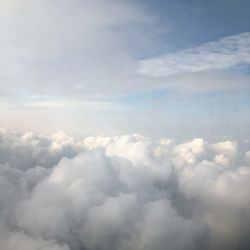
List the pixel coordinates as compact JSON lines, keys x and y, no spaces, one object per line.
{"x":124,"y":124}
{"x":111,"y":67}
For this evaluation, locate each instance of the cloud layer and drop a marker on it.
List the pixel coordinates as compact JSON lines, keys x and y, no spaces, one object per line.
{"x":124,"y":192}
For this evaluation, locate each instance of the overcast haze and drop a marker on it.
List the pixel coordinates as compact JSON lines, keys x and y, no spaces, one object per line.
{"x":124,"y":124}
{"x":79,"y":64}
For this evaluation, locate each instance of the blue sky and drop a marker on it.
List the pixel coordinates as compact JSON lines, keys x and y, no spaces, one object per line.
{"x":191,"y":23}
{"x":154,"y":67}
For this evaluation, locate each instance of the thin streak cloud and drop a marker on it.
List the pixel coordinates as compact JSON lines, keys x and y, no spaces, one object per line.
{"x":217,"y":55}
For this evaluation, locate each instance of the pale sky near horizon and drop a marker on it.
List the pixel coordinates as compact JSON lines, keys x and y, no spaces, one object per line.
{"x":107,"y":67}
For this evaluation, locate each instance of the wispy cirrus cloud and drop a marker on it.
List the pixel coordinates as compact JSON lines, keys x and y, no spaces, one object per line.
{"x":217,"y":55}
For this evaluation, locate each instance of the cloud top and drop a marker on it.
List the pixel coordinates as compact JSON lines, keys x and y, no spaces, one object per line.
{"x":123,"y":192}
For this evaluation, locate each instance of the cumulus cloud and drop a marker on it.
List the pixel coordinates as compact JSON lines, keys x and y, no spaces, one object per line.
{"x":21,"y":241}
{"x":227,"y":152}
{"x":124,"y":192}
{"x":28,"y":149}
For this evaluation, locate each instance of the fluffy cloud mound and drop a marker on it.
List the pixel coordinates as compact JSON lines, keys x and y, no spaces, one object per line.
{"x":124,"y":192}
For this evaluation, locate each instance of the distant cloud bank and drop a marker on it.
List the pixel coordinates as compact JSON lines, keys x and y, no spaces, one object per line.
{"x":125,"y":192}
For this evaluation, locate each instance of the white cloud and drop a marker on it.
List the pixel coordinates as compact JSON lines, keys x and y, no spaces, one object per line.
{"x":21,"y":241}
{"x":225,"y":194}
{"x":189,"y":153}
{"x":222,"y":54}
{"x":227,"y":152}
{"x":69,"y":48}
{"x":29,"y":150}
{"x":87,"y":50}
{"x":122,"y":192}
